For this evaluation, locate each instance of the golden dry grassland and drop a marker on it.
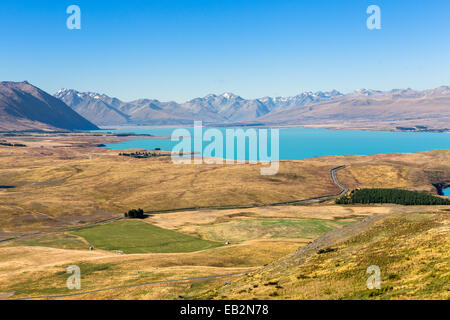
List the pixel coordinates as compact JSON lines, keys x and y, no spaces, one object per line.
{"x":63,"y":184}
{"x":412,"y":251}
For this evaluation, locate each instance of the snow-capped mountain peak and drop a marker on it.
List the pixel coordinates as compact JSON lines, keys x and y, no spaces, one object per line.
{"x":224,"y":108}
{"x":229,"y":95}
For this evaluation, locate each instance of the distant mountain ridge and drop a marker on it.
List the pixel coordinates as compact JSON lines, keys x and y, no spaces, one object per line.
{"x":224,"y":108}
{"x":26,"y":107}
{"x":374,"y":109}
{"x":363,"y":108}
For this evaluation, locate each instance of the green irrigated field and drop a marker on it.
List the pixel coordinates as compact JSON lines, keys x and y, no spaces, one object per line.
{"x":244,"y":230}
{"x":139,"y":237}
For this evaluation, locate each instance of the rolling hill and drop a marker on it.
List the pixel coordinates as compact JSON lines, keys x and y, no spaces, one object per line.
{"x":26,"y":107}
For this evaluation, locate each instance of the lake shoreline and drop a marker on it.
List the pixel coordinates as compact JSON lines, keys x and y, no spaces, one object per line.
{"x":443,"y":189}
{"x":333,"y":127}
{"x":299,"y":143}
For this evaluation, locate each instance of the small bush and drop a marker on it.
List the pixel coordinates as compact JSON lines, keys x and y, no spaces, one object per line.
{"x":135,"y":214}
{"x":326,"y":250}
{"x":375,"y":292}
{"x":274,"y":294}
{"x":393,"y":277}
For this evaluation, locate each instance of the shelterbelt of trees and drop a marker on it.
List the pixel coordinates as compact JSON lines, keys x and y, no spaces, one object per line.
{"x":396,"y":196}
{"x":8,"y":144}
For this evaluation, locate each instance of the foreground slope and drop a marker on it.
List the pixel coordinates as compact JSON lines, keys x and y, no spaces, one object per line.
{"x":26,"y":107}
{"x":410,"y":246}
{"x":411,"y":250}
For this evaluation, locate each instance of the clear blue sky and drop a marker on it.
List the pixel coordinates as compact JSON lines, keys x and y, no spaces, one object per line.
{"x":178,"y":50}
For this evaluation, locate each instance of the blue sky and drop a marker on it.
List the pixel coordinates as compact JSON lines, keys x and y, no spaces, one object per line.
{"x":178,"y":50}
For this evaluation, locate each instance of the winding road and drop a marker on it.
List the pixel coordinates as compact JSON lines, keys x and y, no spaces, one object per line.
{"x":336,"y":182}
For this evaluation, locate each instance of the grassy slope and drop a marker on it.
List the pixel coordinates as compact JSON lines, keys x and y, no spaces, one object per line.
{"x":410,"y":248}
{"x":412,"y":251}
{"x":414,"y":171}
{"x":59,"y":187}
{"x":62,"y":241}
{"x":138,"y":237}
{"x":36,"y":271}
{"x":63,"y":187}
{"x":244,"y":230}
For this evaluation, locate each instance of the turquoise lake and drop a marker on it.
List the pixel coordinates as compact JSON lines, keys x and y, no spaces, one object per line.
{"x":447,"y":192}
{"x":299,"y":143}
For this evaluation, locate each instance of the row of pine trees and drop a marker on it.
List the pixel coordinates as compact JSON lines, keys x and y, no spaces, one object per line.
{"x":397,"y":196}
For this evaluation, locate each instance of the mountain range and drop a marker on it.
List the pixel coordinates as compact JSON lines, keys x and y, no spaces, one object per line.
{"x":218,"y":109}
{"x":362,"y":108}
{"x":26,"y":107}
